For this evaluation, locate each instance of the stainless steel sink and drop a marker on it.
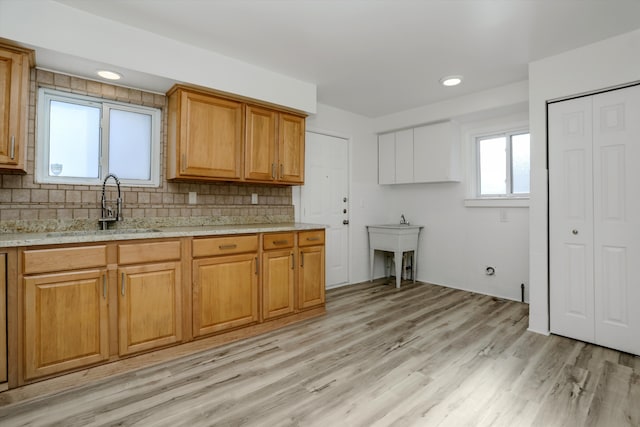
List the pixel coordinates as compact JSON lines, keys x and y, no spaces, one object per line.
{"x":102,"y":232}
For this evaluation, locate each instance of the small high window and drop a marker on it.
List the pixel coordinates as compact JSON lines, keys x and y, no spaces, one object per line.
{"x":503,"y":165}
{"x":82,"y":139}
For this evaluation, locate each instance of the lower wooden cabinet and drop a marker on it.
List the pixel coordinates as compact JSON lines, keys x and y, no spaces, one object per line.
{"x":83,"y":305}
{"x":3,"y":318}
{"x":311,"y":276}
{"x":225,"y":293}
{"x":278,"y":274}
{"x":66,"y":321}
{"x":224,"y":283}
{"x":277,"y":283}
{"x":149,"y":307}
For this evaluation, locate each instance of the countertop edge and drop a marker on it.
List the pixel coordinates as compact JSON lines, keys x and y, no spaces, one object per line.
{"x":11,"y":240}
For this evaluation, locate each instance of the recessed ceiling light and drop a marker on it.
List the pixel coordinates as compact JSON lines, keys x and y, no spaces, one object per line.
{"x":451,"y":80}
{"x":109,"y":75}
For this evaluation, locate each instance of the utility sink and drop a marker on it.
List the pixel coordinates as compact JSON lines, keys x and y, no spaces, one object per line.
{"x":396,"y":238}
{"x":102,"y":232}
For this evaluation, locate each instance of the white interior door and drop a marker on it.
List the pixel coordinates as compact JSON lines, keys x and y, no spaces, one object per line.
{"x":616,"y":185}
{"x":324,"y":199}
{"x":571,"y":219}
{"x":594,"y":218}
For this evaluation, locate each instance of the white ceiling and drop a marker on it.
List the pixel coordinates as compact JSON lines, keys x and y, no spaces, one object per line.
{"x":376,"y":57}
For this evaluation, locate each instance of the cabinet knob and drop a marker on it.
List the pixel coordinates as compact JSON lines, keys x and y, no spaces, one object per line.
{"x":574,"y":232}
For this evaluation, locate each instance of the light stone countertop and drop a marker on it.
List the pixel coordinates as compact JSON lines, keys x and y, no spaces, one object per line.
{"x":66,"y":237}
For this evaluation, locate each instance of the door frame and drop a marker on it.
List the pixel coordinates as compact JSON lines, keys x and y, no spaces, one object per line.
{"x":296,"y":193}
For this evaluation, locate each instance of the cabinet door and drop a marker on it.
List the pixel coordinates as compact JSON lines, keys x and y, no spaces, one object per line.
{"x":260,"y":145}
{"x":14,"y":85}
{"x":277,"y":283}
{"x":210,"y":137}
{"x":66,"y":321}
{"x":225,"y":293}
{"x":436,"y":153}
{"x":387,"y":158}
{"x":3,"y":318}
{"x":311,"y":280}
{"x":291,"y":148}
{"x":404,"y":156}
{"x":150,"y":306}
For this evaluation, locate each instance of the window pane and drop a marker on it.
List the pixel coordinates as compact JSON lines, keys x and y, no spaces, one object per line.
{"x":493,"y":166}
{"x":74,"y":140}
{"x":130,"y":144}
{"x":521,"y":164}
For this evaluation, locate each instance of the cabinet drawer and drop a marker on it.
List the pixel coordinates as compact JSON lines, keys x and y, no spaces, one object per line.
{"x":63,"y":259}
{"x":136,"y":253}
{"x":277,"y":241}
{"x":311,"y":238}
{"x":214,"y":246}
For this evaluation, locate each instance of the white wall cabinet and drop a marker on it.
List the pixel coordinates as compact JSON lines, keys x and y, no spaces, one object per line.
{"x":594,"y":218}
{"x":436,"y":153}
{"x":429,"y":153}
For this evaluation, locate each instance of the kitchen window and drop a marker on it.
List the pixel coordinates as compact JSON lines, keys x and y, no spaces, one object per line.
{"x":82,"y":139}
{"x":503,"y":165}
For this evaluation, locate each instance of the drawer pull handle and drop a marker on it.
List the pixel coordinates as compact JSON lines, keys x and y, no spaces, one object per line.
{"x":281,"y":171}
{"x":293,"y":262}
{"x":104,"y":286}
{"x":301,"y":259}
{"x":231,"y":246}
{"x":12,"y":150}
{"x":281,"y":242}
{"x":313,"y":239}
{"x":257,"y":266}
{"x":122,"y":285}
{"x":273,"y":170}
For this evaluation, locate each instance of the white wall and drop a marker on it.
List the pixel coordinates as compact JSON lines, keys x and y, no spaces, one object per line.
{"x":65,"y":30}
{"x":605,"y":64}
{"x":458,"y":242}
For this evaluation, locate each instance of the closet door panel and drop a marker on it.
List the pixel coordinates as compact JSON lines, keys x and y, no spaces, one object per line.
{"x":616,"y":174}
{"x":571,"y":219}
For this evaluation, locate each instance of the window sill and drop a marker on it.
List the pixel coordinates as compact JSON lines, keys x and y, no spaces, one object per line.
{"x":498,"y":202}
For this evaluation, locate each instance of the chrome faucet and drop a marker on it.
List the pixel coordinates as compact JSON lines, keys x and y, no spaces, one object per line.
{"x":403,"y":220}
{"x":107,"y":211}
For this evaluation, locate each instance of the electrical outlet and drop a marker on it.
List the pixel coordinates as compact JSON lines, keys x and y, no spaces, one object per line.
{"x":193,"y":197}
{"x":254,"y":198}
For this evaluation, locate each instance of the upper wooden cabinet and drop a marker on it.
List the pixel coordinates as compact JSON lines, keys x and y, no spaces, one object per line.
{"x":260,"y":155}
{"x":205,"y":137}
{"x":14,"y":105}
{"x":291,"y":148}
{"x":214,"y":137}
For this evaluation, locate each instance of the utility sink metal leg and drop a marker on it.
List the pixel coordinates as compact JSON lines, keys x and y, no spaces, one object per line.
{"x":398,"y":259}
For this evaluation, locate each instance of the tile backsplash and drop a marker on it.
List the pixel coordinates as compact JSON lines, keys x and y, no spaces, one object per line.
{"x":28,"y":206}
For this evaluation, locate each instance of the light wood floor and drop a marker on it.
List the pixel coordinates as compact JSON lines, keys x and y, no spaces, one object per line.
{"x":423,"y":355}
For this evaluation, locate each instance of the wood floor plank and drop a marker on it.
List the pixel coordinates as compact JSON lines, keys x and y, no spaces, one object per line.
{"x":419,"y":355}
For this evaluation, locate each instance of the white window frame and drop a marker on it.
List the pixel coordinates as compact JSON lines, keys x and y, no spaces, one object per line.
{"x":46,"y":95}
{"x":509,"y":165}
{"x":472,"y":133}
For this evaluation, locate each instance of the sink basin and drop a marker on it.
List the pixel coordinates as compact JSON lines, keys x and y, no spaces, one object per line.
{"x":393,"y":225}
{"x":102,"y":232}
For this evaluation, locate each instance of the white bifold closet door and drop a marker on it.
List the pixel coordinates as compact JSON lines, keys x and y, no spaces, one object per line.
{"x":594,"y":218}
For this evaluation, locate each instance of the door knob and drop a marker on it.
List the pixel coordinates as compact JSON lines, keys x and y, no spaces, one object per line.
{"x":574,"y":232}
